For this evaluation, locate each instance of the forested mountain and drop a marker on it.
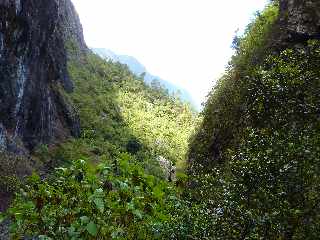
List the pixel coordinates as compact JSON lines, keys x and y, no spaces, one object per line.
{"x":89,"y":150}
{"x":256,"y":156}
{"x":139,"y":69}
{"x":103,"y":148}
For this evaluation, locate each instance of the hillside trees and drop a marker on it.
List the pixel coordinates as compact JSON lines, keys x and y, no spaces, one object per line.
{"x":254,"y":161}
{"x":110,"y":185}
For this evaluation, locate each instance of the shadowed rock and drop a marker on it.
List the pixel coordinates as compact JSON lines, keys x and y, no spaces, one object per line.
{"x":33,"y":72}
{"x":299,"y":20}
{"x":168,"y":168}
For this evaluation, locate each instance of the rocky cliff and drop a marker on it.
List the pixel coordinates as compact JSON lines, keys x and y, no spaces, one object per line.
{"x":300,"y":18}
{"x":298,"y":22}
{"x":34,"y":36}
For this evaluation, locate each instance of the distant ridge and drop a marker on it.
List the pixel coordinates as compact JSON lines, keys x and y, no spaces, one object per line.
{"x":138,"y":68}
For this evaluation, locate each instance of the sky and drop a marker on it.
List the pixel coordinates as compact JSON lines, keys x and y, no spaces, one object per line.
{"x":186,"y":42}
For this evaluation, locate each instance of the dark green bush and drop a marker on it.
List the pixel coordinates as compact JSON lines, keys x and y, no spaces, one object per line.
{"x":133,"y":146}
{"x":106,"y":203}
{"x":268,"y":185}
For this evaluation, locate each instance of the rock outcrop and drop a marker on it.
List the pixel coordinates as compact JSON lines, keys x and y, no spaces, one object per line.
{"x":299,"y":21}
{"x":168,"y":169}
{"x":34,"y":36}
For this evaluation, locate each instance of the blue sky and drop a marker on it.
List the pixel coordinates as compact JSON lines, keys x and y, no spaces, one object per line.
{"x":186,"y":42}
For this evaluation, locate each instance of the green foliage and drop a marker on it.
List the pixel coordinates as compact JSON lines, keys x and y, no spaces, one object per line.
{"x":266,"y":185}
{"x":223,"y":121}
{"x":268,"y":189}
{"x":116,"y":190}
{"x":160,"y":122}
{"x":254,"y":161}
{"x":12,"y":170}
{"x":111,"y":202}
{"x":117,"y":109}
{"x":252,"y":46}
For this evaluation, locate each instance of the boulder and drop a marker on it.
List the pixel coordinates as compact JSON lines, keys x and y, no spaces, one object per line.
{"x":168,"y":168}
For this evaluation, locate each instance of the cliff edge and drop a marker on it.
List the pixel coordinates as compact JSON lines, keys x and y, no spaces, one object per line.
{"x":34,"y":36}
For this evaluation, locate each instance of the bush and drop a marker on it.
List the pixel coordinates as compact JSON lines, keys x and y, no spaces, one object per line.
{"x":134,"y":146}
{"x":13,"y":169}
{"x":80,"y":203}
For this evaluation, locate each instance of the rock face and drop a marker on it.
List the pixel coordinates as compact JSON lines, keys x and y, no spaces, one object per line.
{"x":168,"y":169}
{"x":33,"y":72}
{"x":299,"y":20}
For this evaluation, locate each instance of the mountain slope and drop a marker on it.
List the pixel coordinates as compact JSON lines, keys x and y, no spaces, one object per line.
{"x":112,"y":184}
{"x":109,"y":182}
{"x":137,"y":68}
{"x":33,"y":61}
{"x":254,"y":161}
{"x":253,"y":169}
{"x":33,"y":65}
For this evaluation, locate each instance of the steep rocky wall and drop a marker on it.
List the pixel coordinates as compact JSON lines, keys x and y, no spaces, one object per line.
{"x":299,"y":21}
{"x":33,"y":72}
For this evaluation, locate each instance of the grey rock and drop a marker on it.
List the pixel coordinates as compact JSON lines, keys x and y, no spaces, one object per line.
{"x":4,"y":231}
{"x":299,"y":20}
{"x":168,"y":168}
{"x":3,"y":139}
{"x":33,"y":71}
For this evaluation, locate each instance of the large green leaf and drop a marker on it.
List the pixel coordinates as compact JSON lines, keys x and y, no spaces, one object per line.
{"x":99,"y":204}
{"x":92,"y":228}
{"x":2,"y":217}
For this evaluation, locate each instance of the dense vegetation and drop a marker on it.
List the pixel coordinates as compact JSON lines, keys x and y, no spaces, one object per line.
{"x":253,"y":169}
{"x":255,"y":159}
{"x":111,"y":184}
